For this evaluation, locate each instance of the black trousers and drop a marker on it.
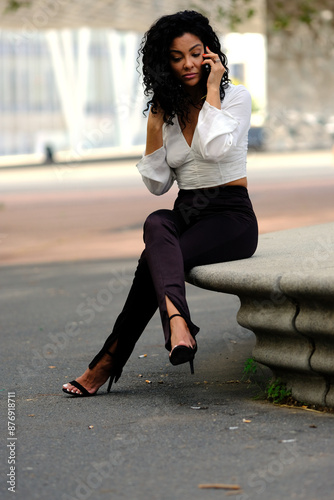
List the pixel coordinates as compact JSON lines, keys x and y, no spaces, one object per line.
{"x":206,"y":226}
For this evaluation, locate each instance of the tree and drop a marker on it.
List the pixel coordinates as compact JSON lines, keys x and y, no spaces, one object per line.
{"x":287,"y":16}
{"x":282,"y":15}
{"x":14,"y":5}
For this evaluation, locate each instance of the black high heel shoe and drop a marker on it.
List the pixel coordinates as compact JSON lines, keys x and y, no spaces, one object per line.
{"x":183,"y":354}
{"x":114,"y":376}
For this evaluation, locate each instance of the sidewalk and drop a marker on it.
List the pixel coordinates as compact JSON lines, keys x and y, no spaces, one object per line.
{"x":256,"y":159}
{"x":70,"y":157}
{"x":144,"y":441}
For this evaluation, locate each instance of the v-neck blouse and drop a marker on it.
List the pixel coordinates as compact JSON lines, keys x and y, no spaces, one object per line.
{"x":218,"y":151}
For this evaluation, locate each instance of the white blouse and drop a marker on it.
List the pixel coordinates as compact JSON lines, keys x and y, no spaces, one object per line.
{"x":218,"y":151}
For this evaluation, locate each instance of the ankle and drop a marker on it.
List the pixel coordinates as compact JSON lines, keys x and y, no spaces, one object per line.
{"x":103,"y":365}
{"x":181,"y":336}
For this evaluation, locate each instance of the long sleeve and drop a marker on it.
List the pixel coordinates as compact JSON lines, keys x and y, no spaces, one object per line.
{"x":218,"y":131}
{"x":155,"y":171}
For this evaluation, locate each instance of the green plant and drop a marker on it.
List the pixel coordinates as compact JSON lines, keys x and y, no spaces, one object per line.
{"x":255,"y":377}
{"x":274,"y":389}
{"x":277,"y":391}
{"x":250,"y":367}
{"x":14,"y":5}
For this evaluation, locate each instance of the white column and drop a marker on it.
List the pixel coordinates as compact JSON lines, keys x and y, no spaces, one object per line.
{"x":256,"y":73}
{"x":126,"y":85}
{"x":249,"y":49}
{"x":71,"y":75}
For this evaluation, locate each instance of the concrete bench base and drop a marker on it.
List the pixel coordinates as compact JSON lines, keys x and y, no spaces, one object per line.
{"x":286,"y":291}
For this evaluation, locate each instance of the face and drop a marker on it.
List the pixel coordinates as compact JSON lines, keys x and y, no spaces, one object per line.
{"x":186,"y":57}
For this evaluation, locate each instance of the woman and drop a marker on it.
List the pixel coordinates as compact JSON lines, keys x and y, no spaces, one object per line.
{"x":197,"y":135}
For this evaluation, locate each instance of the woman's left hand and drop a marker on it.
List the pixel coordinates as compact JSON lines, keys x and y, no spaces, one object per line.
{"x":217,"y":70}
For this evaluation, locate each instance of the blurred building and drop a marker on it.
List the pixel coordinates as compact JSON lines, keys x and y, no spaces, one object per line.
{"x":80,"y":89}
{"x":300,"y":91}
{"x":69,"y":79}
{"x":73,"y":88}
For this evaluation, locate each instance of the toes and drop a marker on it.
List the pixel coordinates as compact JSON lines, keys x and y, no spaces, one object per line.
{"x":75,"y":390}
{"x":71,"y":389}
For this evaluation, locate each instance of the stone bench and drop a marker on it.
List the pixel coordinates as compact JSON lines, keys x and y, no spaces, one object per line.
{"x":286,"y":291}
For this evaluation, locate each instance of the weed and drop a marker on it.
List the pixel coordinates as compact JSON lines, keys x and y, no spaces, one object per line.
{"x":277,"y":391}
{"x":253,"y":375}
{"x":274,"y":389}
{"x":250,"y":367}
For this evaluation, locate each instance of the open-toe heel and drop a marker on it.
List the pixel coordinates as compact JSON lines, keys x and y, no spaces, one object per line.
{"x":84,"y":392}
{"x":183,"y":354}
{"x":115,"y":374}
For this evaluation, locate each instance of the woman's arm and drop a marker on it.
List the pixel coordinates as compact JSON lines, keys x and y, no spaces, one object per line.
{"x":220,"y":129}
{"x":153,"y":167}
{"x":217,"y":71}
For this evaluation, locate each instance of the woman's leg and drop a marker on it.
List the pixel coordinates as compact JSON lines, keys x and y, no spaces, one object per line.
{"x":217,"y":225}
{"x":162,"y":231}
{"x":224,"y":228}
{"x":138,"y":309}
{"x":179,"y":331}
{"x":172,"y":246}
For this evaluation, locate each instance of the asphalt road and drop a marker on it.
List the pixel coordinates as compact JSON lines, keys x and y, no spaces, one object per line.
{"x":68,"y":253}
{"x":161,"y":432}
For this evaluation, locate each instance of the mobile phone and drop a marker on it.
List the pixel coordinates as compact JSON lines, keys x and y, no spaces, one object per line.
{"x":207,"y":67}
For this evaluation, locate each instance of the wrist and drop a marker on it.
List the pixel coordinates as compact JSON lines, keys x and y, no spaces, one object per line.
{"x":213,"y":97}
{"x":213,"y":89}
{"x":154,"y":127}
{"x":154,"y":124}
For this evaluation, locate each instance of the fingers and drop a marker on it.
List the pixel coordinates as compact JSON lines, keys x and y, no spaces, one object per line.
{"x":213,"y":59}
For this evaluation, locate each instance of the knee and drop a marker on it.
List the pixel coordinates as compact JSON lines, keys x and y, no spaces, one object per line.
{"x":156,"y":219}
{"x":157,"y":222}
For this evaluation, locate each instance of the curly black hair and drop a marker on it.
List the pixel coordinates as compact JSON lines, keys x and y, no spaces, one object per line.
{"x":160,"y":85}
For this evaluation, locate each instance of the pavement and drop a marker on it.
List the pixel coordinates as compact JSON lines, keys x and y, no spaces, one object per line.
{"x":161,"y":433}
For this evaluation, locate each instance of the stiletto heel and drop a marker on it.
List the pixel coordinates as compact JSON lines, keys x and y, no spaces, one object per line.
{"x":182,"y":354}
{"x":111,"y":379}
{"x":114,"y":376}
